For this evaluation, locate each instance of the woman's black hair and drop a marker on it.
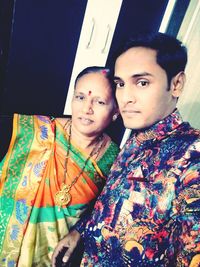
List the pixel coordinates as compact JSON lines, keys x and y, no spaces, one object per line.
{"x":97,"y":69}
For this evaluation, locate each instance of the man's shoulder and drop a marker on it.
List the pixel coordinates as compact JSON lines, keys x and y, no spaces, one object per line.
{"x":186,"y":130}
{"x":191,"y":136}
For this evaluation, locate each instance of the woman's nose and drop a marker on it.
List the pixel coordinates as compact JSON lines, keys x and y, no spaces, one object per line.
{"x":87,"y":108}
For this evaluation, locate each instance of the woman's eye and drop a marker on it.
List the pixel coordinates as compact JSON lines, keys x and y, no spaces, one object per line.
{"x":143,"y":83}
{"x":100,"y":102}
{"x":79,"y":97}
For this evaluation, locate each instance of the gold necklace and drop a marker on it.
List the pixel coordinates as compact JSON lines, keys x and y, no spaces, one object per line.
{"x":63,"y":196}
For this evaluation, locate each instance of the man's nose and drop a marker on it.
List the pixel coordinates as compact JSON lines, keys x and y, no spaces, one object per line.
{"x":128,"y":94}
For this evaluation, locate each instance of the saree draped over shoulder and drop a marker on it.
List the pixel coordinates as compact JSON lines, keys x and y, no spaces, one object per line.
{"x":30,"y":175}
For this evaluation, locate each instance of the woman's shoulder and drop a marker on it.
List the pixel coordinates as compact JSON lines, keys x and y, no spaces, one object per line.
{"x":110,"y":153}
{"x":110,"y":143}
{"x":111,"y":149}
{"x":29,"y":117}
{"x":63,"y":121}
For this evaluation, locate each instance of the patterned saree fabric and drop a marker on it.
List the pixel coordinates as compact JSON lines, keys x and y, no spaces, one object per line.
{"x":30,"y":175}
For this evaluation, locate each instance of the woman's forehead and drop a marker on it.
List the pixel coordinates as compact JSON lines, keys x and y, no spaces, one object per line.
{"x":92,"y":76}
{"x":93,"y":83}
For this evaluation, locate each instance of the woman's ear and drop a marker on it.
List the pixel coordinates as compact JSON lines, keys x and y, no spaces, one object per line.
{"x":177,"y":84}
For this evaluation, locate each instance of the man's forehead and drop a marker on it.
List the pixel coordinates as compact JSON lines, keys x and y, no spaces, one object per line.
{"x":136,"y":53}
{"x":135,"y":60}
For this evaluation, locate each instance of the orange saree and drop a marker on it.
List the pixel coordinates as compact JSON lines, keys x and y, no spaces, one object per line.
{"x":30,"y":175}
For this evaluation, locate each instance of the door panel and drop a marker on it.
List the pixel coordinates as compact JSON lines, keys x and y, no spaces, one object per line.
{"x":44,"y":39}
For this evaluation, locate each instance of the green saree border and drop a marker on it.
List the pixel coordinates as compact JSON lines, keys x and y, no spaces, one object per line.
{"x":16,"y":163}
{"x":104,"y":163}
{"x":76,"y":155}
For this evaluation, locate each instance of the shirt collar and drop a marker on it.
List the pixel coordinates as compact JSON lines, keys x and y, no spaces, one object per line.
{"x":160,"y":129}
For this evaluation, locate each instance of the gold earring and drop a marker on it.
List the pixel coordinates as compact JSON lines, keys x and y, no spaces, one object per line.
{"x":114,"y":117}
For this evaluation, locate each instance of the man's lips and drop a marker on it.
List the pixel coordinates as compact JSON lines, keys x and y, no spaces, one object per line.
{"x":130,"y":111}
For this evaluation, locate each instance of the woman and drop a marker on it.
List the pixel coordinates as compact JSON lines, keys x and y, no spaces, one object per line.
{"x":54,"y":170}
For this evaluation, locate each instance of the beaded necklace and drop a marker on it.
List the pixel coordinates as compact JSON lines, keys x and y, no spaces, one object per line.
{"x":63,"y":196}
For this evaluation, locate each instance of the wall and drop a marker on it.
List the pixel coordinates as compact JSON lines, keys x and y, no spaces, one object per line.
{"x":189,"y":102}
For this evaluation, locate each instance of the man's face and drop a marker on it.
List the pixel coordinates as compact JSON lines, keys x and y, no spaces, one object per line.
{"x":142,"y":89}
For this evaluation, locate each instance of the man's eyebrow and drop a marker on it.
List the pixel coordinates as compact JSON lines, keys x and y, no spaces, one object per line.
{"x":141,"y":74}
{"x":137,"y":75}
{"x":116,"y":78}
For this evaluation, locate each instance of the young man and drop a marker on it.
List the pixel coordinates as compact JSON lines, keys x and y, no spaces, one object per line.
{"x":149,"y":211}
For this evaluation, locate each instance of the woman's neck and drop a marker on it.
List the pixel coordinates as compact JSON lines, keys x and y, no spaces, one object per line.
{"x":84,"y":141}
{"x":90,"y":144}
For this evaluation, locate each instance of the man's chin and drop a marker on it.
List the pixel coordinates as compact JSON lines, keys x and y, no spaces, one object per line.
{"x":133,"y":125}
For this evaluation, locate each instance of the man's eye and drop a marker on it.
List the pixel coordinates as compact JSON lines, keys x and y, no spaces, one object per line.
{"x":143,"y":83}
{"x":119,"y":84}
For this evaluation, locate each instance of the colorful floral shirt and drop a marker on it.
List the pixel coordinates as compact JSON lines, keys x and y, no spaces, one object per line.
{"x":149,"y":212}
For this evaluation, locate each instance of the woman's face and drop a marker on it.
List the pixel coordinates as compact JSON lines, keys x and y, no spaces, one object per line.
{"x":93,"y":105}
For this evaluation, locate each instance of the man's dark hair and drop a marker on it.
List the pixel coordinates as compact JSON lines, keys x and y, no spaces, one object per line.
{"x":171,"y":53}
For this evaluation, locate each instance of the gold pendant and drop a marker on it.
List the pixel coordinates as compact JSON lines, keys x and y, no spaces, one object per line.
{"x":62,"y":197}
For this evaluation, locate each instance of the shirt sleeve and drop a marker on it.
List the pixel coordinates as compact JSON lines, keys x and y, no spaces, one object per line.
{"x":187,"y":205}
{"x":81,"y":224}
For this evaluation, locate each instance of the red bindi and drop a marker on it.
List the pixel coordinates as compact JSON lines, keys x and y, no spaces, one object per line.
{"x":104,"y":72}
{"x":90,"y":92}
